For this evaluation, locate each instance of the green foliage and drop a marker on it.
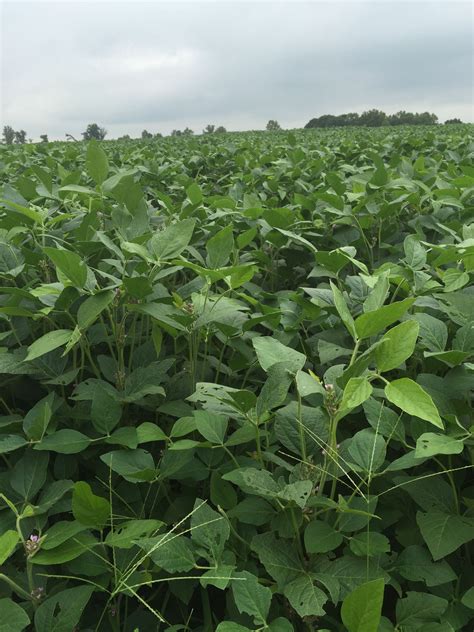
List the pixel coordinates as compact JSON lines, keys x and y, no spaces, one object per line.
{"x":236,"y":382}
{"x":94,"y":131}
{"x":374,"y":118}
{"x":273,"y":126}
{"x":8,"y":134}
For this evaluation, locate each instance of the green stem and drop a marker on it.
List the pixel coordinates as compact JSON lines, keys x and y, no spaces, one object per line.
{"x":301,"y":432}
{"x":14,"y":586}
{"x":354,"y":353}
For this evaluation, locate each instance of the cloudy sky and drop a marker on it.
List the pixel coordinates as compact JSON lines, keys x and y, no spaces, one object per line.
{"x":162,"y":65}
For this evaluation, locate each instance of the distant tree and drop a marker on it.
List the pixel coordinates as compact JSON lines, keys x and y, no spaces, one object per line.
{"x":373,"y":118}
{"x":8,"y":135}
{"x":44,"y":138}
{"x":146,"y":134}
{"x":20,"y":137}
{"x":425,"y":118}
{"x":326,"y":120}
{"x":176,"y":132}
{"x":220,"y":130}
{"x":273,"y":126}
{"x":210,"y":129}
{"x":401,"y":118}
{"x":351,"y":118}
{"x":93,"y":131}
{"x":158,"y":135}
{"x":125,"y":137}
{"x":311,"y":123}
{"x":453,"y":121}
{"x":187,"y":131}
{"x":70,"y":137}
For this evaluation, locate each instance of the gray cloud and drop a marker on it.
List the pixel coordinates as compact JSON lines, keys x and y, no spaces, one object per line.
{"x":167,"y":65}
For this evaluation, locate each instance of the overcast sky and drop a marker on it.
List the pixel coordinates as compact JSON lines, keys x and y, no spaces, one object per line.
{"x":160,"y":66}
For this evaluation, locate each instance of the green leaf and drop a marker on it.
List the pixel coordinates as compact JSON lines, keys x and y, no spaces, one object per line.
{"x":63,"y":611}
{"x":356,"y":392}
{"x":70,"y":264}
{"x":211,"y":426}
{"x":415,"y":564}
{"x":24,"y":210}
{"x":253,"y":481}
{"x":415,"y":254}
{"x":418,"y":608}
{"x":281,"y":625}
{"x":13,"y":618}
{"x":275,"y":389}
{"x":92,"y":307}
{"x":368,"y":449}
{"x":413,"y":399}
{"x":378,"y":294}
{"x":134,"y":465}
{"x":89,"y":509}
{"x":468,"y":598}
{"x":125,"y":533}
{"x":384,"y":420}
{"x":397,"y":346}
{"x":52,"y":494}
{"x":148,"y":432}
{"x":220,"y":247}
{"x":209,"y":530}
{"x":308,"y":385}
{"x":343,"y":310}
{"x":146,"y":381}
{"x":106,"y":411}
{"x":221,"y":493}
{"x":305,"y":597}
{"x":430,"y":444}
{"x":321,"y":537}
{"x":228,"y":626}
{"x":48,"y":342}
{"x":126,"y":436}
{"x":297,"y":492}
{"x":12,"y":261}
{"x":171,"y":241}
{"x":314,"y":424}
{"x":433,"y":332}
{"x":362,"y":608}
{"x":280,"y":561}
{"x":172,"y":552}
{"x":251,"y":597}
{"x":64,"y":441}
{"x":220,"y":576}
{"x":38,"y":417}
{"x":369,"y":544}
{"x":444,"y":533}
{"x":371,"y":323}
{"x":9,"y":443}
{"x":194,"y":193}
{"x":454,"y":279}
{"x":29,"y":474}
{"x":252,"y":510}
{"x":96,"y":162}
{"x":8,"y":541}
{"x":69,"y":550}
{"x":270,"y":351}
{"x":61,"y":532}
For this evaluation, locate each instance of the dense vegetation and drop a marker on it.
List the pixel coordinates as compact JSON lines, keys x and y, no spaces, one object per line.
{"x":375,"y":118}
{"x":236,"y":383}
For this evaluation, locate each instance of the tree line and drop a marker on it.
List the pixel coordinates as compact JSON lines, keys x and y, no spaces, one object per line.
{"x":376,"y":118}
{"x":370,"y":118}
